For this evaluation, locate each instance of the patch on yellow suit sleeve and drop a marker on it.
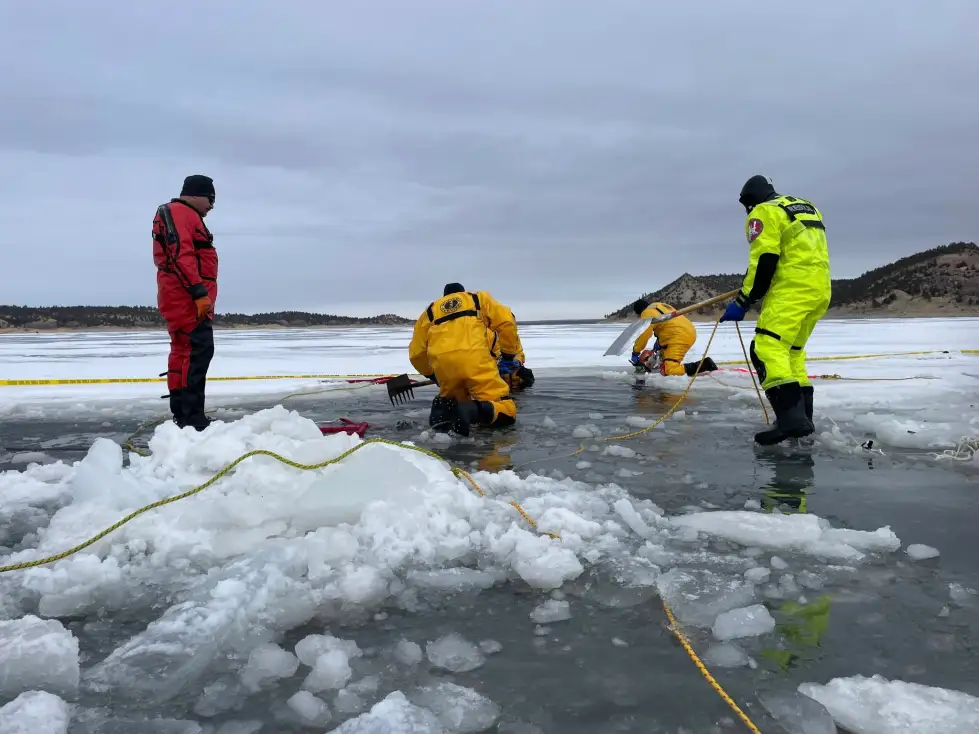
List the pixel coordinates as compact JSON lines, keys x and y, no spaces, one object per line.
{"x":755,"y":228}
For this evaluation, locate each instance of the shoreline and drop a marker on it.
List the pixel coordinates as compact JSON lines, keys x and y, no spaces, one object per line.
{"x":697,"y":318}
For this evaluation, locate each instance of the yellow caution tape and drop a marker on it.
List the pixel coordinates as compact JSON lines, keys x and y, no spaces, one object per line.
{"x":123,"y":380}
{"x":374,"y":375}
{"x":843,"y":357}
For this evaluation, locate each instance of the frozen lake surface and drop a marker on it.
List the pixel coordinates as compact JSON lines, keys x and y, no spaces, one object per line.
{"x":385,"y":590}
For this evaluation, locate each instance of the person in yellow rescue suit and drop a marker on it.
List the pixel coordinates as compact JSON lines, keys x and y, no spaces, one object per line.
{"x":673,"y":340}
{"x":788,"y":271}
{"x":519,"y":378}
{"x":451,"y":345}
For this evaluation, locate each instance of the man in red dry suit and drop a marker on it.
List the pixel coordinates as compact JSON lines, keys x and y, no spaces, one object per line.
{"x":187,"y":288}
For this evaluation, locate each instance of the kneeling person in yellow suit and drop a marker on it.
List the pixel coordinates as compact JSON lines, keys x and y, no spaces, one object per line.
{"x":451,"y":345}
{"x":520,"y":377}
{"x":674,"y":338}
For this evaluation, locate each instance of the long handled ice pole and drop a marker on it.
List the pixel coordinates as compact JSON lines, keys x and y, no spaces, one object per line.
{"x":616,"y":348}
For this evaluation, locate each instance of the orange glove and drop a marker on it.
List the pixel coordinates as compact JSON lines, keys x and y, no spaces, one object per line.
{"x":203,"y":306}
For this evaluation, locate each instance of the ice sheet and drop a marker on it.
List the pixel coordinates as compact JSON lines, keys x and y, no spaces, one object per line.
{"x":877,"y":705}
{"x":909,"y":419}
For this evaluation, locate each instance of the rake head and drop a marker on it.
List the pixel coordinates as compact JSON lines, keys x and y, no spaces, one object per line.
{"x":401,"y":389}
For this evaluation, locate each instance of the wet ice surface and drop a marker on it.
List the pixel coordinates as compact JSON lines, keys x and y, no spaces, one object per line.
{"x":238,"y":636}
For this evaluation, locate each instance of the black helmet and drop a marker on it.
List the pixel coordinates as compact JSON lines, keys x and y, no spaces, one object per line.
{"x":452,"y":288}
{"x":639,"y":306}
{"x":756,"y":190}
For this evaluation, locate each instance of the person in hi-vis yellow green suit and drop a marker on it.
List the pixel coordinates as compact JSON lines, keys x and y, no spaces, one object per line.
{"x":788,"y":273}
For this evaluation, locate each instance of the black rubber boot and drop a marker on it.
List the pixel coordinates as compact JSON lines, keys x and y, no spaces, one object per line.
{"x":177,"y":407}
{"x":444,"y":414}
{"x":478,"y":411}
{"x":807,"y":399}
{"x":691,"y":367}
{"x":192,"y":402}
{"x":790,"y":415}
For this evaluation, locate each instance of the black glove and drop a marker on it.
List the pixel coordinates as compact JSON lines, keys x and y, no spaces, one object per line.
{"x":431,"y":377}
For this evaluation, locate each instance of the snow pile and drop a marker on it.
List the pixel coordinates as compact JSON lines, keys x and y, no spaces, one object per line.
{"x":879,"y":706}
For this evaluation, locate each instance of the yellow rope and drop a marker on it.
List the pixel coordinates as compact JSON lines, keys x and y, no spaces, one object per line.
{"x":456,"y":471}
{"x":459,"y":473}
{"x":674,"y":625}
{"x":663,"y":417}
{"x":675,"y":628}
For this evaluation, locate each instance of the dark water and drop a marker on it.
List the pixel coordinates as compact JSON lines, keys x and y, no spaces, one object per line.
{"x":894,"y":618}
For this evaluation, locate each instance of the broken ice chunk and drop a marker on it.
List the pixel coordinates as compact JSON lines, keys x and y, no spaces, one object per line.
{"x":877,"y":704}
{"x":725,"y":655}
{"x":551,"y":611}
{"x":367,"y":685}
{"x":632,"y":518}
{"x":698,"y":596}
{"x":393,"y":715}
{"x":961,"y":594}
{"x":37,"y":654}
{"x":240,"y":727}
{"x":798,"y":714}
{"x":757,"y":575}
{"x":407,"y":652}
{"x":746,"y":622}
{"x":778,"y":564}
{"x":35,"y":712}
{"x":918,"y":552}
{"x":621,"y":451}
{"x":309,"y":648}
{"x":266,"y":663}
{"x":331,"y":672}
{"x":454,"y":653}
{"x":348,"y":702}
{"x":490,"y":647}
{"x":309,"y":709}
{"x":261,"y":590}
{"x":460,"y":709}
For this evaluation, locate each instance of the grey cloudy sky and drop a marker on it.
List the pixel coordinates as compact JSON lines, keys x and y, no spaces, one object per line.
{"x":564,"y":155}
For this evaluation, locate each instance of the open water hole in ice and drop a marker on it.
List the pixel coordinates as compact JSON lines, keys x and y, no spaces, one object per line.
{"x":613,"y":666}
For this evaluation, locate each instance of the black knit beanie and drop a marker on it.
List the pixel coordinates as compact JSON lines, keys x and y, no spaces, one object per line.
{"x":453,"y":288}
{"x":197,"y":185}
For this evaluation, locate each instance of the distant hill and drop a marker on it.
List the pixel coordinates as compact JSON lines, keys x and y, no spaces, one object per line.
{"x":943,"y":281}
{"x":147,"y":317}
